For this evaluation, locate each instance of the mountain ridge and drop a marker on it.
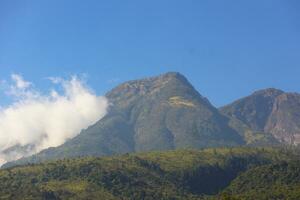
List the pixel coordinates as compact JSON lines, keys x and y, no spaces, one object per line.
{"x":166,"y":112}
{"x":271,"y":111}
{"x":158,"y":113}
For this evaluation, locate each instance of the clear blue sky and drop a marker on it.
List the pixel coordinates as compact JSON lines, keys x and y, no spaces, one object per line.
{"x":227,"y":49}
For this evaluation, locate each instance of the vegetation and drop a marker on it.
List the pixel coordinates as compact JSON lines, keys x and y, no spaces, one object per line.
{"x":274,"y":181}
{"x":167,"y":113}
{"x":180,"y":174}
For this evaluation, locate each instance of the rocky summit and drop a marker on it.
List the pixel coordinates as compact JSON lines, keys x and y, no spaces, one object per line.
{"x":270,"y":111}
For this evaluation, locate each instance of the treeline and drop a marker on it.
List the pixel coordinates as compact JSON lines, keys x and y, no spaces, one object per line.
{"x":182,"y":174}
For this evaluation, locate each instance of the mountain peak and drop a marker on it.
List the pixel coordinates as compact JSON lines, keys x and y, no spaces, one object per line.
{"x":269,"y":92}
{"x":171,"y":81}
{"x":271,"y":111}
{"x":254,"y":110}
{"x":173,"y":75}
{"x":165,"y":77}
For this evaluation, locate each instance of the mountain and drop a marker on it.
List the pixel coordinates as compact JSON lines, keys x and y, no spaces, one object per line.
{"x":16,"y":151}
{"x":254,"y":110}
{"x":158,"y":113}
{"x":270,"y":112}
{"x":166,"y":112}
{"x":284,"y":121}
{"x":170,"y":175}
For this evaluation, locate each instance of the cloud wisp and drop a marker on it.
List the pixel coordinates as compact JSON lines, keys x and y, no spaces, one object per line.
{"x":35,"y":121}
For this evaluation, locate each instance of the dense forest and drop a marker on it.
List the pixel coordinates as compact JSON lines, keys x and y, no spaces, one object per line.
{"x":221,"y":173}
{"x":274,"y":181}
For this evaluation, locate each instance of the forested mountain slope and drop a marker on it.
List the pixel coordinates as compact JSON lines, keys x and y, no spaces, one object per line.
{"x":180,"y":174}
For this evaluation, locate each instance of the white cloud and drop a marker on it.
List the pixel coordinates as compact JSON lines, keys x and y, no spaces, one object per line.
{"x":55,"y":80}
{"x":20,"y":83}
{"x":46,"y":120}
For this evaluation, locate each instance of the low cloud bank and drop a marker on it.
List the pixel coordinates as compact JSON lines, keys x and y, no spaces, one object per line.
{"x":35,"y":121}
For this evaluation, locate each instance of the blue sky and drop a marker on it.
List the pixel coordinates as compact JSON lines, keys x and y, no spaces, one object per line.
{"x":227,"y":49}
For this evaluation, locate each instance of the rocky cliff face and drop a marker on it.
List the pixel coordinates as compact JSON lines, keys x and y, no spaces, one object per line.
{"x":270,"y":111}
{"x":284,"y":121}
{"x":255,"y":109}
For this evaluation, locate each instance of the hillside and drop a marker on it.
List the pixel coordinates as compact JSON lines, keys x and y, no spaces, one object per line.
{"x":180,"y":174}
{"x":268,"y":113}
{"x":158,"y":113}
{"x":273,"y":181}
